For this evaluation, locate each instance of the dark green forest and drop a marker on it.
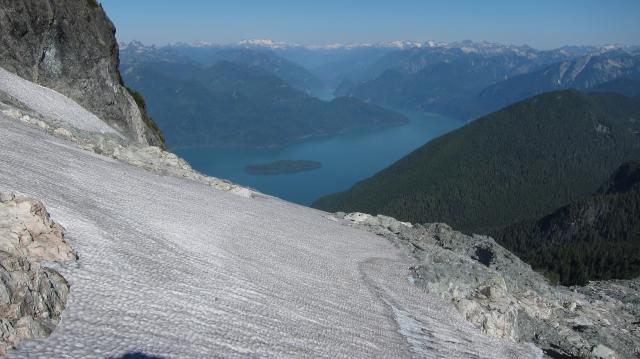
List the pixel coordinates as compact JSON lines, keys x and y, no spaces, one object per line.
{"x":518,"y":163}
{"x":597,"y":238}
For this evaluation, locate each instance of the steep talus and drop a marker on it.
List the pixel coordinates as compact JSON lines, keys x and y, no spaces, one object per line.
{"x":69,"y":46}
{"x":32,"y":296}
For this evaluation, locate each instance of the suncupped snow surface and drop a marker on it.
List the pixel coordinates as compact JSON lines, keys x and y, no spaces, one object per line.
{"x":173,"y":268}
{"x":51,"y":104}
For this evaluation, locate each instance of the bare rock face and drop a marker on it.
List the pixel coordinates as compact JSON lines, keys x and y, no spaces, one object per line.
{"x":505,"y":298}
{"x":27,"y":231}
{"x":32,"y":297}
{"x":70,"y":46}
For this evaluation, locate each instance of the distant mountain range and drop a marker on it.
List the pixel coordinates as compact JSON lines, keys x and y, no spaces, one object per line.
{"x":294,"y":74}
{"x":233,"y":104}
{"x":470,"y":81}
{"x":346,"y":66}
{"x":468,"y":45}
{"x":444,"y":82}
{"x":586,"y":72}
{"x":462,"y":80}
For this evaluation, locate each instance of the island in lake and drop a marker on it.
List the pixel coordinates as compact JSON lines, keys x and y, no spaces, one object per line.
{"x":283,"y":167}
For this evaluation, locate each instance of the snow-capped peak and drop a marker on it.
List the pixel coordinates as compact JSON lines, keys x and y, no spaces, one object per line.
{"x":137,"y":47}
{"x":268,"y":43}
{"x":410,"y":44}
{"x":202,"y":43}
{"x":403,"y":44}
{"x":466,"y":46}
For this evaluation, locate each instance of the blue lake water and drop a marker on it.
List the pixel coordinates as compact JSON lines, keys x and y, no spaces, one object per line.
{"x":346,"y":158}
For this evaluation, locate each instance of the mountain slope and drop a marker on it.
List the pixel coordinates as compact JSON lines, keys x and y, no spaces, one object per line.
{"x":443,"y":79}
{"x":623,"y":85}
{"x":235,"y":105}
{"x":174,"y":268}
{"x":596,"y":238}
{"x":583,"y":73}
{"x":248,"y":274}
{"x":295,"y":75}
{"x":412,"y":60}
{"x":469,"y":79}
{"x":444,"y":86}
{"x":70,"y":46}
{"x":521,"y":162}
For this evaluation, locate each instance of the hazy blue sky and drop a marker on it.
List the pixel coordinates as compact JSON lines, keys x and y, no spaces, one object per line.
{"x":539,"y":23}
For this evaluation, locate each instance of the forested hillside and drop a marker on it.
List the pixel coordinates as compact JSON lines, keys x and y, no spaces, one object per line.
{"x":522,"y":162}
{"x":597,"y":238}
{"x":233,"y":104}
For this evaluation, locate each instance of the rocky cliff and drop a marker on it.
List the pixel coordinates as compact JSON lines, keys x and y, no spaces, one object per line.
{"x":70,"y":46}
{"x":32,"y":296}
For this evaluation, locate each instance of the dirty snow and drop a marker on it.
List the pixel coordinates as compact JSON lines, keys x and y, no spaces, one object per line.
{"x":51,"y":104}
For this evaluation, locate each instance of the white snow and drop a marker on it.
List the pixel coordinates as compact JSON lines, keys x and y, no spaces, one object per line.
{"x":268,"y":43}
{"x":51,"y":104}
{"x":173,"y":268}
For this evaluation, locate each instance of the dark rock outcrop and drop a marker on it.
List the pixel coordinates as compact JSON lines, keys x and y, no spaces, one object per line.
{"x":32,"y":297}
{"x":70,"y":46}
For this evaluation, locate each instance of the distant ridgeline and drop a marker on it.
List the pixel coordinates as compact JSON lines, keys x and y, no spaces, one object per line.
{"x":244,"y":102}
{"x":514,"y":165}
{"x":468,"y":82}
{"x":260,"y":94}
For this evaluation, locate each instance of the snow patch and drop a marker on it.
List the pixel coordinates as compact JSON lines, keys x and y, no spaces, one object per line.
{"x":51,"y":104}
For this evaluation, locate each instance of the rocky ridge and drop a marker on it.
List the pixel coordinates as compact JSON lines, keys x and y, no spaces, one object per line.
{"x":32,"y":296}
{"x":70,"y":46}
{"x":505,"y":298}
